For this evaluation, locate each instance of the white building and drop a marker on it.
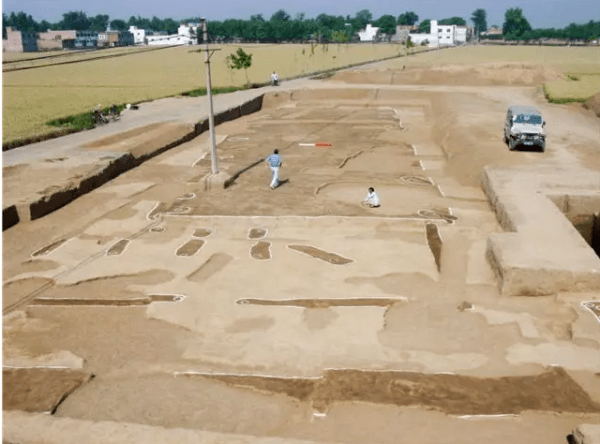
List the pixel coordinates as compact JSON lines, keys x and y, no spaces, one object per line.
{"x":186,"y":35}
{"x":138,"y":35}
{"x":441,"y":35}
{"x":368,"y":34}
{"x":188,"y":30}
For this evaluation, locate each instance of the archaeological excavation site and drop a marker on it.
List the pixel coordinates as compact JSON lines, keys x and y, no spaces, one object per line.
{"x":145,"y":302}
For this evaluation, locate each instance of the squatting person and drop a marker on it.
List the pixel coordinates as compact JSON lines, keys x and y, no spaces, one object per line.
{"x":372,"y":200}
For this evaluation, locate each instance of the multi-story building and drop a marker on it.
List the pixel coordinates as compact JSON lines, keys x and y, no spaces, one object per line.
{"x":17,"y":41}
{"x":72,"y":39}
{"x":139,"y":35}
{"x":115,"y":38}
{"x":443,"y":35}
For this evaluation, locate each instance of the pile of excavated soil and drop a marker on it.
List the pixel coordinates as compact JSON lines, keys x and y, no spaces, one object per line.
{"x":593,"y":103}
{"x":488,"y":74}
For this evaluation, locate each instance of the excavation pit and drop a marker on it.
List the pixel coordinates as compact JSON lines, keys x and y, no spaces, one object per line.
{"x":257,"y":233}
{"x":261,"y":250}
{"x":325,"y":303}
{"x":118,"y":248}
{"x":202,"y":232}
{"x":49,"y":248}
{"x":317,"y":253}
{"x":190,"y":248}
{"x":551,"y":391}
{"x":108,"y":302}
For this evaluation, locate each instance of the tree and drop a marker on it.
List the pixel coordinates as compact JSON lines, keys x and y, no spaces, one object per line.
{"x":76,"y":20}
{"x":281,"y":16}
{"x":118,"y":25}
{"x":479,"y":19}
{"x":408,"y":18}
{"x":362,"y":18}
{"x":514,"y":23}
{"x":99,"y":23}
{"x":239,"y":61}
{"x":459,"y":21}
{"x":386,"y":24}
{"x":425,"y":26}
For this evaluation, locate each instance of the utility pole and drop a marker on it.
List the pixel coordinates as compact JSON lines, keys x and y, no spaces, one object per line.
{"x":211,"y":114}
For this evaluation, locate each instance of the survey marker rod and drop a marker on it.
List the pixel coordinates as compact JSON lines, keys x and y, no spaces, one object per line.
{"x":211,"y":114}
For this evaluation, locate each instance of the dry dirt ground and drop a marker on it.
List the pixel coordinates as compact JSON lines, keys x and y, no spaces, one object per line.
{"x":296,"y":312}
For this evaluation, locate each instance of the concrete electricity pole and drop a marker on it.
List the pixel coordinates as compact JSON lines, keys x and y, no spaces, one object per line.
{"x":211,"y":115}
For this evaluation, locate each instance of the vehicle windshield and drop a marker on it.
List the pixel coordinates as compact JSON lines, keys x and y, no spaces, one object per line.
{"x":532,"y":119}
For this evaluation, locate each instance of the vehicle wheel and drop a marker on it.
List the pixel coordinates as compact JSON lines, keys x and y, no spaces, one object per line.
{"x":511,"y":145}
{"x":505,"y":138}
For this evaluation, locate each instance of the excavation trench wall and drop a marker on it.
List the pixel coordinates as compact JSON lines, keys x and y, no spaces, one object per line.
{"x":40,"y":207}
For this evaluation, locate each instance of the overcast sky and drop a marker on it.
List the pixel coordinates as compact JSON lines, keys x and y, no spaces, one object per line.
{"x":540,"y":13}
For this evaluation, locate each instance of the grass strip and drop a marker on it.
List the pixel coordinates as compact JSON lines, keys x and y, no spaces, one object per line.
{"x":563,"y":100}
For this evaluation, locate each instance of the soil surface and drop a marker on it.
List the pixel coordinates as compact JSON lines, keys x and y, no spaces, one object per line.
{"x":364,"y":325}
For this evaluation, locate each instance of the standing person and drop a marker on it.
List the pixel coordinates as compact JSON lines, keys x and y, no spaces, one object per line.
{"x":274,"y":162}
{"x":274,"y":79}
{"x":372,"y":200}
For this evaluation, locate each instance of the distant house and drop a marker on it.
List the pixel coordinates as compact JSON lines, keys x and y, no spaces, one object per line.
{"x":17,"y":41}
{"x":57,"y":40}
{"x":139,"y":35}
{"x":186,"y":35}
{"x":443,"y":35}
{"x":115,"y":38}
{"x":401,"y":34}
{"x":493,"y":30}
{"x":368,"y":34}
{"x":72,"y":39}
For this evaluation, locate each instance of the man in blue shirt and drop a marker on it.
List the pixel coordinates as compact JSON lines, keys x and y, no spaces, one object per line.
{"x":274,"y":162}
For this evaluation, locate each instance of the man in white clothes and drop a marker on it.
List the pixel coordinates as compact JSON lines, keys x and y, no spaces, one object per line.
{"x":372,"y":200}
{"x":274,"y":162}
{"x":274,"y":79}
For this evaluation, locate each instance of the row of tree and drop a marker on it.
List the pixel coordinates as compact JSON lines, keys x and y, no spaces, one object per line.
{"x":78,"y":20}
{"x":282,"y":27}
{"x":517,"y":27}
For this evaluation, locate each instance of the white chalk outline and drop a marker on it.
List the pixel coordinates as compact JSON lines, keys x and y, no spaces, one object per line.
{"x":406,"y":179}
{"x":244,"y":301}
{"x":40,"y":366}
{"x":354,"y":218}
{"x":150,"y":212}
{"x":192,"y":255}
{"x":439,"y":188}
{"x":325,"y":370}
{"x":197,"y":161}
{"x":192,"y":196}
{"x":489,"y":416}
{"x":126,"y":245}
{"x":586,"y":307}
{"x":177,"y":297}
{"x":270,"y":254}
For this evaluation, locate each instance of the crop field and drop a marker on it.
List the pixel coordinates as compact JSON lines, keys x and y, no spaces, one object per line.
{"x":34,"y":96}
{"x":51,"y":88}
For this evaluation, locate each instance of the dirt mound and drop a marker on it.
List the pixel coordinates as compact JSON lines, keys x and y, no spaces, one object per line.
{"x":593,"y":103}
{"x":488,"y":74}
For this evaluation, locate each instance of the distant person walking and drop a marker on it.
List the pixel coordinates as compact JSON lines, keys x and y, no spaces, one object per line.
{"x":372,"y":200}
{"x":274,"y":162}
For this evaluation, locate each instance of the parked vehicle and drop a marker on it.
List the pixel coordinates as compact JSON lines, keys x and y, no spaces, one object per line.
{"x":524,"y":127}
